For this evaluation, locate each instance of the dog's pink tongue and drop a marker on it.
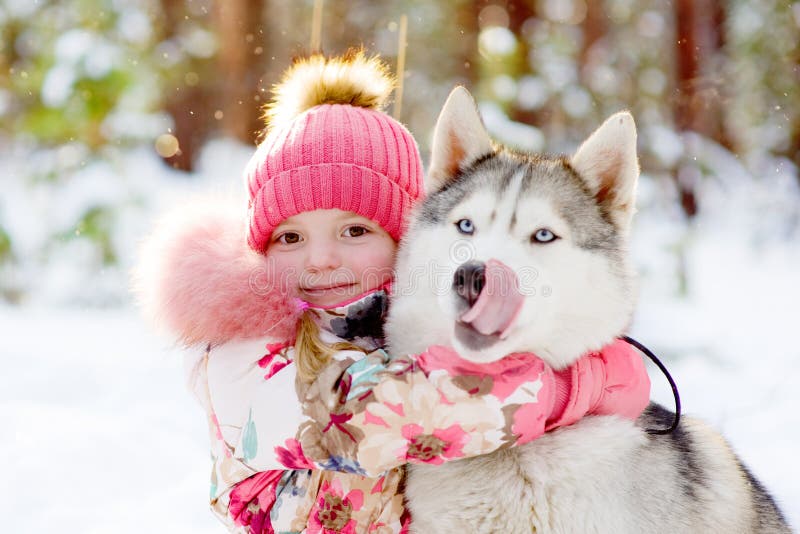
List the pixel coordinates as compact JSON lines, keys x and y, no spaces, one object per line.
{"x":499,"y":302}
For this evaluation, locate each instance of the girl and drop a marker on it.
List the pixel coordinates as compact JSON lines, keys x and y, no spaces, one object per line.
{"x":310,"y":421}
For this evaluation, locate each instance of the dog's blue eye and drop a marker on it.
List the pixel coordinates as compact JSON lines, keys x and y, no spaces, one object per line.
{"x":465,"y":226}
{"x":543,"y":235}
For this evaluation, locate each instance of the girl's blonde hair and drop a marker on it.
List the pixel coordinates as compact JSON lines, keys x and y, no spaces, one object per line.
{"x":311,"y":353}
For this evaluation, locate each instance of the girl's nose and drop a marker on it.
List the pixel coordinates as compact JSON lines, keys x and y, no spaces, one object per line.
{"x":323,"y":256}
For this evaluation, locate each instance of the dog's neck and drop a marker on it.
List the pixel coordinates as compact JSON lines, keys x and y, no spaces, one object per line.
{"x":566,"y":351}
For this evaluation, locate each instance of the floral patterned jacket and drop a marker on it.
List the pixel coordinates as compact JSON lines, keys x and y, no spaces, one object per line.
{"x":332,"y":462}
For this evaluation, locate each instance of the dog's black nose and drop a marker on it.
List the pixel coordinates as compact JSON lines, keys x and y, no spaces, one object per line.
{"x":469,"y":279}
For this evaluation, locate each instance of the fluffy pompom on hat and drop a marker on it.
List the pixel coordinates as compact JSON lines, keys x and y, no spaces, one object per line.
{"x":330,"y":145}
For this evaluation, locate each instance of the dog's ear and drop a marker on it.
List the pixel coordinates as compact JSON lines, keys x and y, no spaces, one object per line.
{"x":608,"y":163}
{"x":459,"y":138}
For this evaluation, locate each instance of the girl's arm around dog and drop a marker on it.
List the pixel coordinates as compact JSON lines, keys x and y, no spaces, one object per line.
{"x":366,"y":415}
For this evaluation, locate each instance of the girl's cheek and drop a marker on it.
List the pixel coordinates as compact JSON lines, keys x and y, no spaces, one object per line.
{"x":283,"y":268}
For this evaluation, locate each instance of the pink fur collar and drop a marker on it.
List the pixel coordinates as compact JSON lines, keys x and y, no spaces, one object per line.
{"x":197,"y":278}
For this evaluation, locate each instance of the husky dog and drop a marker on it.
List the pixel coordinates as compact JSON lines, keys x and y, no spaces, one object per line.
{"x":562,"y":225}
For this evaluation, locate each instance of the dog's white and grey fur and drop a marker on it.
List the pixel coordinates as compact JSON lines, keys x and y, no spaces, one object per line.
{"x":602,"y":474}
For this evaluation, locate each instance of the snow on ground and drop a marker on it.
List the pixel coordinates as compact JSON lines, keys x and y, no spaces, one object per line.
{"x":101,"y":435}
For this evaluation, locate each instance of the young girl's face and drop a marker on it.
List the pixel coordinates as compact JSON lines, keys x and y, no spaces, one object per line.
{"x":329,"y":256}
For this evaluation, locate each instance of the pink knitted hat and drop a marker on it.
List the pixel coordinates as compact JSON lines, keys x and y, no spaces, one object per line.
{"x":330,"y":146}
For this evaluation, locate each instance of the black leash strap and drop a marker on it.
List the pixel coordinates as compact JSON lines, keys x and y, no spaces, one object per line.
{"x":675,"y":393}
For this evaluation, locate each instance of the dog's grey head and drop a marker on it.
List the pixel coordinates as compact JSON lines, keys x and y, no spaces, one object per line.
{"x":516,"y":252}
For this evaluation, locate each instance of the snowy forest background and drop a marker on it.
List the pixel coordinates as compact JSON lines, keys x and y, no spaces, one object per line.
{"x":111,"y":111}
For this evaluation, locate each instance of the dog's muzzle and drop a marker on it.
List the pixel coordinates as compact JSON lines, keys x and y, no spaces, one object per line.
{"x":492,"y":293}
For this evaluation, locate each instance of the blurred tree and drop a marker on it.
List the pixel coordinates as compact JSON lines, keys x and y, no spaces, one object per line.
{"x":595,"y":26}
{"x":700,"y":79}
{"x":793,"y":151}
{"x":764,"y":43}
{"x":442,"y":52}
{"x":520,"y":13}
{"x":467,"y":21}
{"x":218,"y":92}
{"x":503,"y":54}
{"x":240,"y":64}
{"x":188,"y":81}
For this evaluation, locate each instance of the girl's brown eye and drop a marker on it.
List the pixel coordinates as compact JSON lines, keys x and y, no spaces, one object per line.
{"x":289,"y":238}
{"x":355,"y":231}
